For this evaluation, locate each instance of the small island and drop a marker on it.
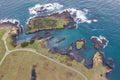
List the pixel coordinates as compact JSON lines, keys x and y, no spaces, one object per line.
{"x":80,"y":44}
{"x":54,"y":21}
{"x":99,"y":42}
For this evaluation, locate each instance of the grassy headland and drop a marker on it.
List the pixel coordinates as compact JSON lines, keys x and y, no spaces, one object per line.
{"x":19,"y":65}
{"x":24,"y":61}
{"x":54,"y":21}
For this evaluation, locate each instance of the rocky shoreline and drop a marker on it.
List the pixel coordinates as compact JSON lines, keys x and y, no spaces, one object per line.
{"x":65,"y":17}
{"x":99,"y":42}
{"x":98,"y":58}
{"x":15,"y":30}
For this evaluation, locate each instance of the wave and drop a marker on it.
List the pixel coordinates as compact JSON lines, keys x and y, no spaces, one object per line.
{"x":27,"y":22}
{"x":95,"y":20}
{"x":100,"y":38}
{"x":79,"y":16}
{"x":38,"y":8}
{"x":10,"y":20}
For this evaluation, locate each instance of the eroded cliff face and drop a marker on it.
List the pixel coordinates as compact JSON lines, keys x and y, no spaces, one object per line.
{"x":98,"y":58}
{"x":98,"y":61}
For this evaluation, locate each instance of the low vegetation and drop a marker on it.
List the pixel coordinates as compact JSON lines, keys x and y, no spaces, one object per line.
{"x":92,"y":73}
{"x":2,"y":46}
{"x":44,"y":68}
{"x":79,"y":44}
{"x":44,"y":23}
{"x":39,"y":46}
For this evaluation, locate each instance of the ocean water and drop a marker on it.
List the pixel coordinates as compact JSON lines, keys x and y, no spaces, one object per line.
{"x":107,"y":13}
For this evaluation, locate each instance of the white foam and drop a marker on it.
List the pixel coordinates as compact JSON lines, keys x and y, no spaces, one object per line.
{"x":9,"y":20}
{"x":100,"y":38}
{"x":45,"y":8}
{"x":95,"y":20}
{"x":79,"y":16}
{"x":29,"y":19}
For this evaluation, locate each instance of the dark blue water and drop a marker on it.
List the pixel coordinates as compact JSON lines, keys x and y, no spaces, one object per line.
{"x":107,"y":13}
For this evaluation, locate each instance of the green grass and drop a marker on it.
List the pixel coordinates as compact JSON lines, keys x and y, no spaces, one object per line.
{"x":79,"y":44}
{"x":2,"y":46}
{"x":35,"y":45}
{"x":92,"y":74}
{"x":59,"y":24}
{"x":9,"y":41}
{"x":44,"y":23}
{"x":18,"y":65}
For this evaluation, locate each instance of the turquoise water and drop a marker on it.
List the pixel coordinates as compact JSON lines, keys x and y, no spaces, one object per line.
{"x":106,"y":12}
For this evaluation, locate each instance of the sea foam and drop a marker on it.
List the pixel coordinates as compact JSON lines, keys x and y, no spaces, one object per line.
{"x":45,"y":8}
{"x":100,"y":38}
{"x":10,"y":20}
{"x":79,"y":16}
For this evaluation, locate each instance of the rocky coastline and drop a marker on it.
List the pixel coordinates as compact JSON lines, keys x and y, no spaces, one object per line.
{"x":64,"y":17}
{"x":98,"y":58}
{"x":15,"y":30}
{"x":99,"y":42}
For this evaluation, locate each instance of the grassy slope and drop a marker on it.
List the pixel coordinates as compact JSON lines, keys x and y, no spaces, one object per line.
{"x":10,"y":47}
{"x":92,"y":74}
{"x":2,"y":46}
{"x":18,"y":66}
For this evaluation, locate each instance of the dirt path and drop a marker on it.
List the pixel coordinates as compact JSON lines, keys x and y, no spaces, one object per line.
{"x":34,"y":51}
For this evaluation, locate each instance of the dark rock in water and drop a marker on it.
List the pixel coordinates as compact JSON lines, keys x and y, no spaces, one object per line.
{"x":20,"y":30}
{"x":99,"y":42}
{"x":60,"y":40}
{"x":51,"y":37}
{"x":47,"y":32}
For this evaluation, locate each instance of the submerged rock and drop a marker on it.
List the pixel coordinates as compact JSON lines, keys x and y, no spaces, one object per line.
{"x":110,"y":63}
{"x":61,"y":40}
{"x":98,"y":58}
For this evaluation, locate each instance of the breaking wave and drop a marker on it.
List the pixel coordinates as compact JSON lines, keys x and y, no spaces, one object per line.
{"x":9,"y":20}
{"x":79,"y":16}
{"x":100,"y":38}
{"x":45,"y":8}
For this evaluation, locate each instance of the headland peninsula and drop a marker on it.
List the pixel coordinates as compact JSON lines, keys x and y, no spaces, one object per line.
{"x":27,"y":55}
